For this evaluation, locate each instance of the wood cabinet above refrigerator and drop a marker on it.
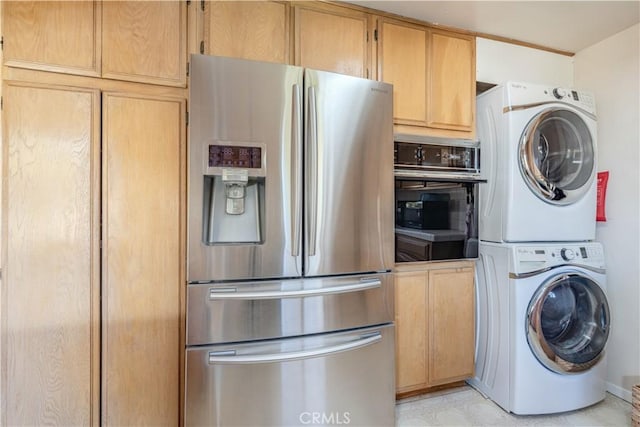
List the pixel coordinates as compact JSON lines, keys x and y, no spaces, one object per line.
{"x":256,"y":30}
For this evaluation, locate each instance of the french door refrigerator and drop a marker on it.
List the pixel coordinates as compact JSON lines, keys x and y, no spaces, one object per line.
{"x":290,"y":247}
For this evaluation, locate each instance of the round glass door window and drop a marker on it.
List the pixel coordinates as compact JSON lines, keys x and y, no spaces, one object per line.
{"x":557,"y":156}
{"x":568,"y":323}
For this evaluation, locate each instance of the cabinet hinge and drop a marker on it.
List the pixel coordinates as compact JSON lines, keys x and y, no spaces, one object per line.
{"x":375,"y":34}
{"x":367,"y":36}
{"x":1,"y":103}
{"x":202,"y":5}
{"x":186,"y":117}
{"x":202,"y":47}
{"x":2,"y":43}
{"x":188,"y":68}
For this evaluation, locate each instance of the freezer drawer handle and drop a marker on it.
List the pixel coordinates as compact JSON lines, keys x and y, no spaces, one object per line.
{"x":233,"y":293}
{"x":362,"y":341}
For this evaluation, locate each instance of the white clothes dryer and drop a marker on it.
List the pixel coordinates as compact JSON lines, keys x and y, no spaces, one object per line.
{"x":538,"y":155}
{"x":543,"y":322}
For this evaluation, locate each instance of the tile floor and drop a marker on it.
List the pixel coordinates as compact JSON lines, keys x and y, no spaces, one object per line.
{"x":464,"y":406}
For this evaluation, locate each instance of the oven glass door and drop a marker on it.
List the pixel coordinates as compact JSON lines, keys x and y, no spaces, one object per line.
{"x":448,"y":227}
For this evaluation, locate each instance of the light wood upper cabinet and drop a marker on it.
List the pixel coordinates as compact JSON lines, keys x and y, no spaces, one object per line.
{"x":143,"y":253}
{"x":433,"y":73}
{"x":139,"y":41}
{"x":331,"y":38}
{"x":435,"y":325}
{"x":257,"y":30}
{"x":451,"y":93}
{"x":402,"y":56}
{"x":145,"y":41}
{"x":61,"y":36}
{"x":50,"y":354}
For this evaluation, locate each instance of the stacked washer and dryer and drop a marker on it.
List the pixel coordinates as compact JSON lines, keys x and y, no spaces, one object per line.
{"x":543,"y":317}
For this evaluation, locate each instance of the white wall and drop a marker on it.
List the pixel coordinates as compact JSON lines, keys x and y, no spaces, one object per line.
{"x":610,"y":69}
{"x":498,"y":62}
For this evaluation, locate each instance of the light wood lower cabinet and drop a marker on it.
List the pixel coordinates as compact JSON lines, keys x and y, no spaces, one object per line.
{"x":435,"y":324}
{"x":50,"y":295}
{"x":142,"y":283}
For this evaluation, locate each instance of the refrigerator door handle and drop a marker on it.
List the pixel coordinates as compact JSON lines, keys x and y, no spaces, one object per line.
{"x":296,"y":170}
{"x":232,"y":293}
{"x":362,"y":341}
{"x":312,"y":142}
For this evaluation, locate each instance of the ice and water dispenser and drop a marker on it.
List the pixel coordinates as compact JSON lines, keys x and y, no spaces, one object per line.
{"x":233,"y":196}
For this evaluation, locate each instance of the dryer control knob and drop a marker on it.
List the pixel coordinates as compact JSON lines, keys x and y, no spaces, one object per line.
{"x":559,"y":93}
{"x":567,"y":254}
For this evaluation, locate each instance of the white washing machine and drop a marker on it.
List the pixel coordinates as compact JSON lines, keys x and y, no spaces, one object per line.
{"x":543,"y":322}
{"x":538,"y":155}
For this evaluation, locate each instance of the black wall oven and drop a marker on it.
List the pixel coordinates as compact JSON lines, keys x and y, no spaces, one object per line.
{"x":436,"y":193}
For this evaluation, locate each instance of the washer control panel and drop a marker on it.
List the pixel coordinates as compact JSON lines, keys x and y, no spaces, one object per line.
{"x":522,"y":94}
{"x":533,"y":257}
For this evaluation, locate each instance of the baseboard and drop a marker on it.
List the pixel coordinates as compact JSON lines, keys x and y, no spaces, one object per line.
{"x":619,"y":391}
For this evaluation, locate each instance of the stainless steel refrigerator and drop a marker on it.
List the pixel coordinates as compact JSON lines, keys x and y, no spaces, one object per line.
{"x":290,"y":247}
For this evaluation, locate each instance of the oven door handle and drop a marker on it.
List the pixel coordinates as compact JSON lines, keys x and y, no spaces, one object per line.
{"x":233,"y":293}
{"x":230,"y":357}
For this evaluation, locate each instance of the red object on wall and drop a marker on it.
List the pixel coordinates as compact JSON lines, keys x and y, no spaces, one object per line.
{"x":603,"y":177}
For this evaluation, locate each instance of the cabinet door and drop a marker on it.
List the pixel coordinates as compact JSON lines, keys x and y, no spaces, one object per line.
{"x":451,"y":81}
{"x":331,"y":38}
{"x":433,"y":77}
{"x":50,"y":294}
{"x":402,"y":58}
{"x":145,"y":41}
{"x":143,"y":279}
{"x":62,"y":36}
{"x":247,"y":29}
{"x":451,"y":324}
{"x":411,"y":331}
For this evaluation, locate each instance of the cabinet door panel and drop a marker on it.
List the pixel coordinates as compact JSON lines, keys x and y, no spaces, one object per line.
{"x":50,"y":285}
{"x":331,"y":40}
{"x":451,"y":87}
{"x":247,"y":29}
{"x":58,"y":36}
{"x":143,"y":144}
{"x":403,"y":56}
{"x":145,"y":41}
{"x":451,"y":325}
{"x":411,"y":331}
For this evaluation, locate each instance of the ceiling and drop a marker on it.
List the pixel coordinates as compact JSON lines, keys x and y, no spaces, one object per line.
{"x":568,"y":26}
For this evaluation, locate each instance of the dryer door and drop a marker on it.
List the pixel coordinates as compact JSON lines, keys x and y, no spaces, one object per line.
{"x":568,"y":323}
{"x":557,"y":156}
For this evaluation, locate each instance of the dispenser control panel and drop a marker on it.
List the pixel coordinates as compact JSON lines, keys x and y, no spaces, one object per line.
{"x":239,"y":155}
{"x":229,"y":156}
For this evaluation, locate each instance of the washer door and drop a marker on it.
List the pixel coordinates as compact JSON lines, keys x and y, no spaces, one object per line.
{"x":568,"y":323}
{"x":557,"y":156}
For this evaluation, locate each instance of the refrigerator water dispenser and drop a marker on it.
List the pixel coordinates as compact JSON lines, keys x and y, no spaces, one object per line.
{"x":233,"y":194}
